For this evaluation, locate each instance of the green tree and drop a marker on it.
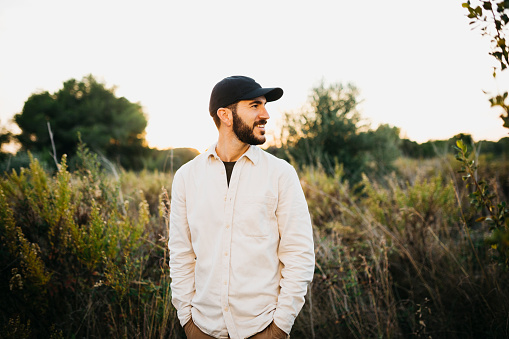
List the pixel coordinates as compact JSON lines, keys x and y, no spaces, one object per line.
{"x":112,"y":126}
{"x":325,"y":130}
{"x":5,"y":136}
{"x":384,"y":146}
{"x":328,"y":131}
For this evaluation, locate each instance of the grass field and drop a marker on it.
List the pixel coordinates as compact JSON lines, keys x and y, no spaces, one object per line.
{"x":84,"y":254}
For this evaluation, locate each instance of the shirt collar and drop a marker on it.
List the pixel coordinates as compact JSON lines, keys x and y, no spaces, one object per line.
{"x":252,"y":153}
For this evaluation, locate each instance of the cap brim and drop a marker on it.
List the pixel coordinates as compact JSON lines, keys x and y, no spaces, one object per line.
{"x":270,"y":94}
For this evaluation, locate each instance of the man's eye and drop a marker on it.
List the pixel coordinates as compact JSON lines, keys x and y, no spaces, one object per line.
{"x":254,"y":106}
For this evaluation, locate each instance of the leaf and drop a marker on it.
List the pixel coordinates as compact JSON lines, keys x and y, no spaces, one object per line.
{"x":480,"y":219}
{"x":498,"y":25}
{"x":506,"y":121}
{"x":486,"y":5}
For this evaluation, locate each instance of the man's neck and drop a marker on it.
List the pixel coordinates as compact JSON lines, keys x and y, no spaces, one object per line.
{"x":229,"y":148}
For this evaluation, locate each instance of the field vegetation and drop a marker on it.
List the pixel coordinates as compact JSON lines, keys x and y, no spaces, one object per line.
{"x":83,"y":254}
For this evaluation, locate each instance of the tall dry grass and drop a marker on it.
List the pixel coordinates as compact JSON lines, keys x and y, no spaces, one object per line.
{"x":401,"y":258}
{"x":84,"y":254}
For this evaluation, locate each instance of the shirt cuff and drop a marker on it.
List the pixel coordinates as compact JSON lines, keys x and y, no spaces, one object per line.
{"x":184,"y":315}
{"x":283,"y":320}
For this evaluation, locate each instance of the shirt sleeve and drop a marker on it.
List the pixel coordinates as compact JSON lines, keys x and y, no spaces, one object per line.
{"x":182,"y":256}
{"x":296,"y":249}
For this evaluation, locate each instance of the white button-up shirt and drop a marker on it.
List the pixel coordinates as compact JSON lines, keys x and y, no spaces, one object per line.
{"x":241,"y":256}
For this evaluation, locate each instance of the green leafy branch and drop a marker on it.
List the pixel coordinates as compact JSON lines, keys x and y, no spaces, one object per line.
{"x":492,"y":17}
{"x":484,"y":201}
{"x":499,"y":101}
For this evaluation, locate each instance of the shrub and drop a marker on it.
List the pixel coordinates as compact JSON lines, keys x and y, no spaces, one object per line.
{"x":397,"y":260}
{"x":80,"y":260}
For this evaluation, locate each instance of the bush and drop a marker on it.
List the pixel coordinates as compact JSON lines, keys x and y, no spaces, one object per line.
{"x":397,"y":260}
{"x":79,"y":259}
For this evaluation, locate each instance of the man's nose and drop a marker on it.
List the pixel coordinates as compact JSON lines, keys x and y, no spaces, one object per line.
{"x":264,"y":114}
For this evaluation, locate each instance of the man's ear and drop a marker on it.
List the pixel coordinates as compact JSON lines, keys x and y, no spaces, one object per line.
{"x":225,"y":115}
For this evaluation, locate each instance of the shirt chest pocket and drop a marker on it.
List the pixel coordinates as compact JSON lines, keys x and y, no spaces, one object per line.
{"x":255,"y":217}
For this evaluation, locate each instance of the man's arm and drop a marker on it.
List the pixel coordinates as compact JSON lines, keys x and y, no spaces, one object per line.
{"x":296,"y":249}
{"x":182,"y":256}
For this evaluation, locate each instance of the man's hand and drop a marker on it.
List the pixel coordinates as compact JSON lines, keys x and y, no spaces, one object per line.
{"x":270,"y":332}
{"x":277,"y":333}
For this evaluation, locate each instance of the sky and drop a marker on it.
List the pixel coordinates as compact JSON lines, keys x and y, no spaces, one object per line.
{"x":418,"y":65}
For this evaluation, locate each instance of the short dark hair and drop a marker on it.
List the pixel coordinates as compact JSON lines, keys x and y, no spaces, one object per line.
{"x":231,"y":107}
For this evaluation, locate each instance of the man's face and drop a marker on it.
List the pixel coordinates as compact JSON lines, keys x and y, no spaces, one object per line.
{"x":249,"y":119}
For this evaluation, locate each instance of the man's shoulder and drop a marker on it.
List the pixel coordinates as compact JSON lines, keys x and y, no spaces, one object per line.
{"x":193,"y":164}
{"x":274,"y":161}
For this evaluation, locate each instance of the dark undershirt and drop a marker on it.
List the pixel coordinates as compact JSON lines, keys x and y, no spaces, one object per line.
{"x":229,"y":169}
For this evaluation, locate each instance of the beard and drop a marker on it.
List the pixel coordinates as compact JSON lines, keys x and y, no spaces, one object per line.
{"x":245,"y":133}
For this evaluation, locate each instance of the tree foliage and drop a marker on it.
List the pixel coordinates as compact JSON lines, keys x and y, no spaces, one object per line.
{"x":492,"y":17}
{"x":5,"y":138}
{"x":325,"y":130}
{"x":383,"y":147}
{"x":328,"y":131}
{"x":112,"y":126}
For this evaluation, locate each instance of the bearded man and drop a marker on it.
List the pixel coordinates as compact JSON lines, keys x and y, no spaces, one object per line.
{"x":241,"y":241}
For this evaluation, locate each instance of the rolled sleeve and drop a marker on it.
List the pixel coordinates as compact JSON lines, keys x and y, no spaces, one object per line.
{"x":296,"y":250}
{"x":182,"y":256}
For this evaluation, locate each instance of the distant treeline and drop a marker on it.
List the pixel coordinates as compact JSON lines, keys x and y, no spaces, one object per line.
{"x":150,"y":159}
{"x":433,"y":148}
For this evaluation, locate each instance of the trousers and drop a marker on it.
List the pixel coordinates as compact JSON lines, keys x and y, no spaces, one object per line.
{"x":270,"y":332}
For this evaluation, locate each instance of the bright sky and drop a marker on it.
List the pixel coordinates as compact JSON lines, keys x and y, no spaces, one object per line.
{"x":417,"y":64}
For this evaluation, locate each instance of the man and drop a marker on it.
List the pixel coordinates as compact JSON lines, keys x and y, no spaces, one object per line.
{"x":241,"y":243}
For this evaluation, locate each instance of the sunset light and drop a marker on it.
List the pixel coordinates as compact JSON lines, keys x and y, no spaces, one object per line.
{"x":417,"y":68}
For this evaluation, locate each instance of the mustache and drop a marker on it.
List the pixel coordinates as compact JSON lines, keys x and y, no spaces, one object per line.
{"x":260,"y":122}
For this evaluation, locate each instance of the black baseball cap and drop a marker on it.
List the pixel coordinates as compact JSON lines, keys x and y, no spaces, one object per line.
{"x":236,"y":88}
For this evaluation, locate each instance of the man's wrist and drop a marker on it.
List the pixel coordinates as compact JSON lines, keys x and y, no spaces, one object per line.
{"x":184,"y":316}
{"x":283,"y":320}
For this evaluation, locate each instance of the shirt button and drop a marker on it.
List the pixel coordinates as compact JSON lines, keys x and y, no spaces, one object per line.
{"x":225,"y":283}
{"x":227,"y":226}
{"x":225,"y":254}
{"x":226,"y":308}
